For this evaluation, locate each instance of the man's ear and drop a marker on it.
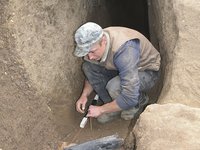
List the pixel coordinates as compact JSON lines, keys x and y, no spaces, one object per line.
{"x":103,"y":39}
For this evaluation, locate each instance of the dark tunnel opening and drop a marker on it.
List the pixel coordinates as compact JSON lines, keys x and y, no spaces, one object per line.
{"x":129,"y":13}
{"x":134,"y":14}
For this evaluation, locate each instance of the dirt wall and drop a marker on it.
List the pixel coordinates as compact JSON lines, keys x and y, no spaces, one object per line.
{"x":38,"y":67}
{"x":26,"y":121}
{"x":175,"y":28}
{"x":43,"y":31}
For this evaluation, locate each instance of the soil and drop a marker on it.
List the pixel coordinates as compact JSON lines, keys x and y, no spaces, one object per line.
{"x":69,"y":128}
{"x":27,"y":120}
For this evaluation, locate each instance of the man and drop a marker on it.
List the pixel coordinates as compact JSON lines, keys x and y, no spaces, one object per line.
{"x":120,"y":66}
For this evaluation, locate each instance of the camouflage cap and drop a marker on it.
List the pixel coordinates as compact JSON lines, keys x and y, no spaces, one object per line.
{"x":85,"y":36}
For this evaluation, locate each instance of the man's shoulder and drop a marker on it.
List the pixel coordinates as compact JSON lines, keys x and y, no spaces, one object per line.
{"x":123,"y":30}
{"x":117,"y":28}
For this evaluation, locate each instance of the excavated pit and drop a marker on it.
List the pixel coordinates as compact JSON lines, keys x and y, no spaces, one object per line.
{"x":41,"y":79}
{"x":132,"y":14}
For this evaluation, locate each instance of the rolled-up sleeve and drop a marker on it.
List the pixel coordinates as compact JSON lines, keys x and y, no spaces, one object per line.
{"x":126,"y":61}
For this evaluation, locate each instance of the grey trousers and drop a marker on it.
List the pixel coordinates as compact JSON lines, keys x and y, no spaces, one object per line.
{"x":106,"y":83}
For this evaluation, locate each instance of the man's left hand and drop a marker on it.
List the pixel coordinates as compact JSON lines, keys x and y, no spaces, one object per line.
{"x":94,"y":111}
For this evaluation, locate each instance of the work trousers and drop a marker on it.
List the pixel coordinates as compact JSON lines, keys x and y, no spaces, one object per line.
{"x":106,"y":83}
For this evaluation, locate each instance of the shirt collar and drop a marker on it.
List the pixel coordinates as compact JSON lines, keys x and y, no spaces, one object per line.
{"x":107,"y":47}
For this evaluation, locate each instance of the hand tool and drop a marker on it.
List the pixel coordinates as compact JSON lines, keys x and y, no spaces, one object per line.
{"x":85,"y":118}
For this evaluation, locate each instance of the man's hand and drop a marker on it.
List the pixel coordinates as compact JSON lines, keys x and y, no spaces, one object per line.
{"x":80,"y":104}
{"x":94,"y":111}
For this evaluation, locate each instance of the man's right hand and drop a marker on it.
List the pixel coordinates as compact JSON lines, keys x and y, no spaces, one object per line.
{"x":81,"y":103}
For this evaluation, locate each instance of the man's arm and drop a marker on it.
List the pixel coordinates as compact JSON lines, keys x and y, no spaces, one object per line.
{"x":95,"y":111}
{"x":81,"y":102}
{"x":126,"y":60}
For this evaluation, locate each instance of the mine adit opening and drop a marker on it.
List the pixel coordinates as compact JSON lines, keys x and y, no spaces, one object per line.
{"x":132,"y":14}
{"x":135,"y":14}
{"x":129,"y":13}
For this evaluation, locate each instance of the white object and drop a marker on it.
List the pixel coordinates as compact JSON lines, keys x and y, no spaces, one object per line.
{"x":85,"y":119}
{"x":83,"y":122}
{"x":96,"y":97}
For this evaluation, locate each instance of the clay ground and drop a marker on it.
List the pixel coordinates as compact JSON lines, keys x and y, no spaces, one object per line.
{"x":69,"y":128}
{"x":23,"y":115}
{"x":26,"y":119}
{"x":20,"y":103}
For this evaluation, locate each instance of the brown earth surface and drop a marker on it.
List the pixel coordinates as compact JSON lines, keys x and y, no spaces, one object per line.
{"x":36,"y":68}
{"x":69,"y":129}
{"x":20,"y":106}
{"x":27,"y":120}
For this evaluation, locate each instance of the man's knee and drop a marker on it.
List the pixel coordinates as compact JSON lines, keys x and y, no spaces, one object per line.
{"x":113,"y":87}
{"x":86,"y":66}
{"x":89,"y":69}
{"x":147,"y":79}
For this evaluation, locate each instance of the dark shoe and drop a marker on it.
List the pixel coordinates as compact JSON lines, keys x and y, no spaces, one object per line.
{"x":130,"y":113}
{"x":108,"y":117}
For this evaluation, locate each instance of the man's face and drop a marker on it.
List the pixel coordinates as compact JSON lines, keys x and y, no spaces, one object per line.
{"x":97,"y":50}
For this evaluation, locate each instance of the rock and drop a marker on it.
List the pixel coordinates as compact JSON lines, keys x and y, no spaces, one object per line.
{"x":38,"y":69}
{"x":168,"y":126}
{"x":174,"y":28}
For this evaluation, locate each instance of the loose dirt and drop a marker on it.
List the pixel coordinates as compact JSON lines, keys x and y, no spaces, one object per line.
{"x":69,"y":128}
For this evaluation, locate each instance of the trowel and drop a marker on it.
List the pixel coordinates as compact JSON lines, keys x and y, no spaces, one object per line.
{"x":85,"y":119}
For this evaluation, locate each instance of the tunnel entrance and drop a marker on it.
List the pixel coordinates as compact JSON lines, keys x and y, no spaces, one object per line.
{"x":129,"y":13}
{"x":41,"y":79}
{"x":134,"y":14}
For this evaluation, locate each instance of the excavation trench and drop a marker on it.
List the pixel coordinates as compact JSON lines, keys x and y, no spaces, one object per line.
{"x":132,"y":14}
{"x":40,"y":77}
{"x":41,"y":80}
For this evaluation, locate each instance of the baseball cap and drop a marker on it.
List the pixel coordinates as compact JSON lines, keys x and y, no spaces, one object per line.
{"x":85,"y":36}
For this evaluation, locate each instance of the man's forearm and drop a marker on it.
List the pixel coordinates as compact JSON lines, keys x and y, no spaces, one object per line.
{"x":87,"y":89}
{"x":110,"y":107}
{"x":96,"y":111}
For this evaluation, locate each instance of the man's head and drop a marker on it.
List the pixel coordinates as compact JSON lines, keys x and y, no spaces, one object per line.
{"x":90,"y":41}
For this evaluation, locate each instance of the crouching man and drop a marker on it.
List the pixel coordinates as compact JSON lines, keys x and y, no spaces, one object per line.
{"x":121,"y":65}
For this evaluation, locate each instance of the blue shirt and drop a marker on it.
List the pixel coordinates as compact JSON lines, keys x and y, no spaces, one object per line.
{"x":126,"y":61}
